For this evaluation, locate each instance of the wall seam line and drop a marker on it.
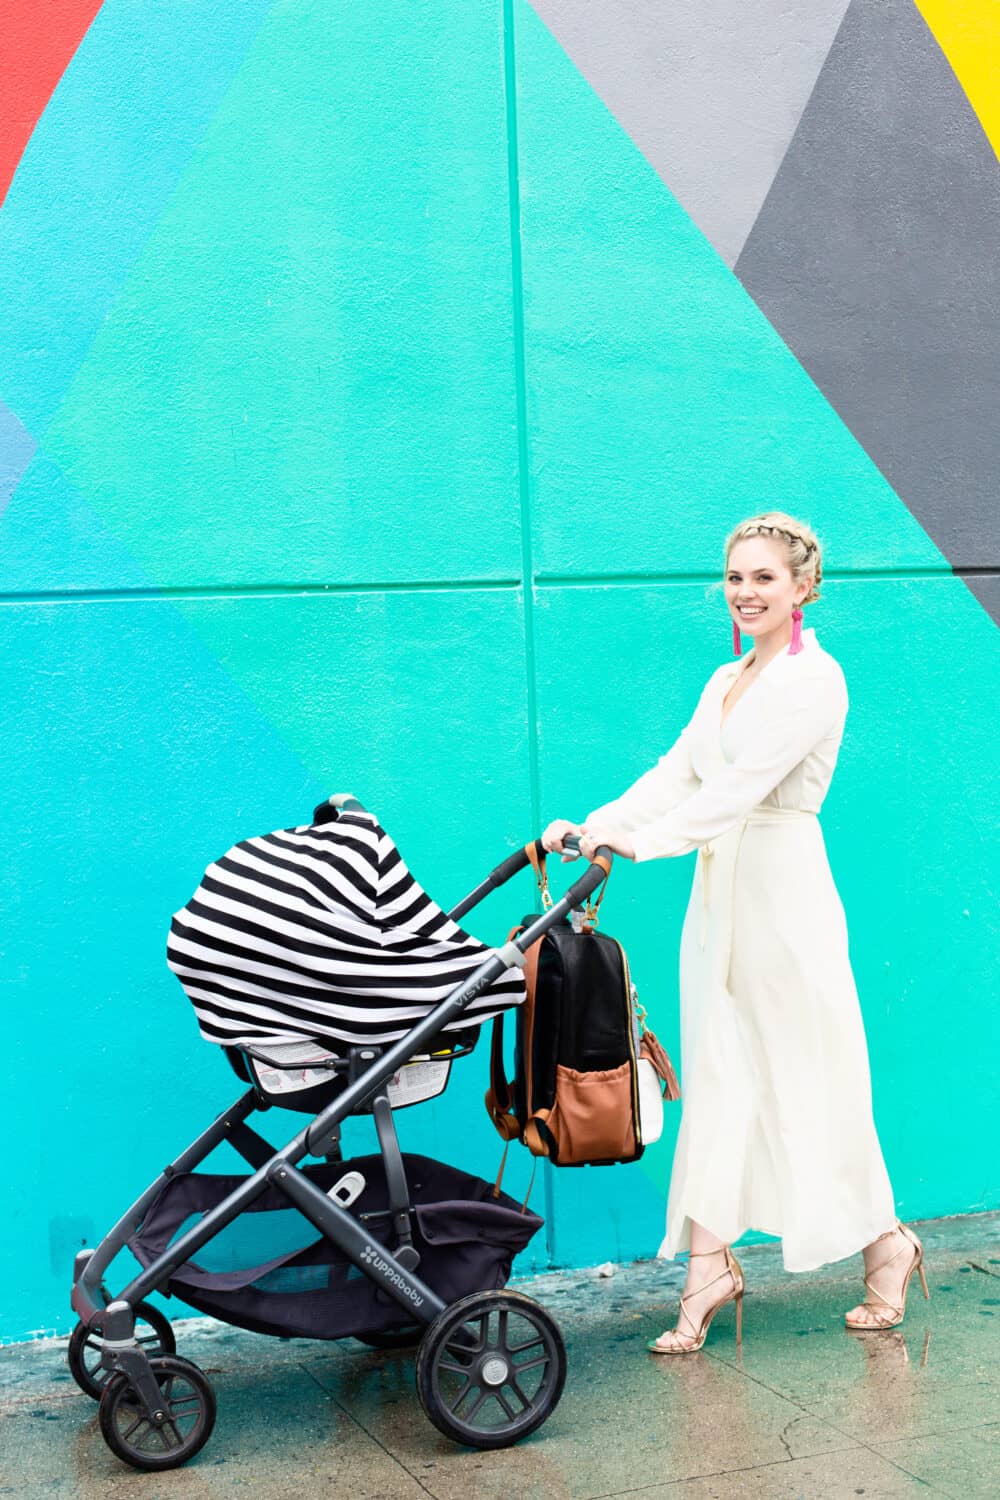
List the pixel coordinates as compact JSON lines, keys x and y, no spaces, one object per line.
{"x":697,"y":576}
{"x":524,"y":490}
{"x":259,"y":590}
{"x":521,"y":408}
{"x":539,"y":581}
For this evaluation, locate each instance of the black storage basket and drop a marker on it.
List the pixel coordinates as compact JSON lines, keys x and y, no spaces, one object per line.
{"x":467,"y":1239}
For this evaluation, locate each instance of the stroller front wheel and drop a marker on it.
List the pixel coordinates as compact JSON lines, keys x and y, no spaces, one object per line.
{"x":491,"y":1369}
{"x":172,"y":1435}
{"x":152,"y":1331}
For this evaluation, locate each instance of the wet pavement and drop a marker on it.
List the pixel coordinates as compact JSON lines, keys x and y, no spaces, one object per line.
{"x":807,"y":1412}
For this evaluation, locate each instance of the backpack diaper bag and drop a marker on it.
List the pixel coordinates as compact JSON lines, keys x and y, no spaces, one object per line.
{"x":579,"y":1046}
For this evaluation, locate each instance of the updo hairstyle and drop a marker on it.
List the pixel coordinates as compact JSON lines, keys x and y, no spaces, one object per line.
{"x":802,"y":550}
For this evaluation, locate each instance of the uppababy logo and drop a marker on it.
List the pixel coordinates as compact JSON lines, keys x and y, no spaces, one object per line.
{"x":371,"y":1257}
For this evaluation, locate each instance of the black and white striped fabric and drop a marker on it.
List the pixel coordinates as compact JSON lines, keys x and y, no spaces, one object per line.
{"x":322,"y":932}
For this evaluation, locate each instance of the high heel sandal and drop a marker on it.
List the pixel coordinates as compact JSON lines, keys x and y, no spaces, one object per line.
{"x":894,"y":1317}
{"x":731,"y":1268}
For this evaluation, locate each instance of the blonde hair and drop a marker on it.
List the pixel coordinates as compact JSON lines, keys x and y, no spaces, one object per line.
{"x":802,"y":550}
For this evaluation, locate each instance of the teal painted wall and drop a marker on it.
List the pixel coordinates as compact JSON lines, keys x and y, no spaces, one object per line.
{"x":373,"y":419}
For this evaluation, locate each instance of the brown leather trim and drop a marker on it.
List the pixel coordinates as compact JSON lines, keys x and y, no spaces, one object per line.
{"x":503,"y":1163}
{"x":504,"y":1120}
{"x":499,"y":1098}
{"x":593,"y":907}
{"x":532,"y":1139}
{"x":534,"y":1169}
{"x":531,"y":958}
{"x":536,"y":863}
{"x":654,"y":1052}
{"x":531,"y":969}
{"x":592,"y":1118}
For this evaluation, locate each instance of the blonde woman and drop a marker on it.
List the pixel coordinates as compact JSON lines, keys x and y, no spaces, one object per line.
{"x":777,"y":1131}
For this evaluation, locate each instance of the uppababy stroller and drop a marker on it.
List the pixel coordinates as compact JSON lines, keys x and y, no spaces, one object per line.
{"x":409,"y":1250}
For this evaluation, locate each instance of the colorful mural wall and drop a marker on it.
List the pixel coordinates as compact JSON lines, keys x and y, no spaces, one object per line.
{"x":377,"y":384}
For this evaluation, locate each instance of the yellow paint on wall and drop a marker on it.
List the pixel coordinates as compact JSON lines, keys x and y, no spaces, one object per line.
{"x":968,"y":33}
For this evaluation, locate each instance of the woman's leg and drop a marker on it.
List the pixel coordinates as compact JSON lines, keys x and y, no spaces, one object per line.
{"x":889,"y":1263}
{"x":710,"y":1282}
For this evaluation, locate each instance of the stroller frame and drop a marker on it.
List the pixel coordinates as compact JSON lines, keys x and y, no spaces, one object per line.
{"x":125,"y":1364}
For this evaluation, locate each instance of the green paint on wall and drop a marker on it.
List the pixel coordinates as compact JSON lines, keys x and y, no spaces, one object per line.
{"x":442,"y":672}
{"x":309,"y":374}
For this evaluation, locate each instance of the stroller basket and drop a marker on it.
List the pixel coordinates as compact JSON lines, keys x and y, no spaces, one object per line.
{"x":269,"y":1272}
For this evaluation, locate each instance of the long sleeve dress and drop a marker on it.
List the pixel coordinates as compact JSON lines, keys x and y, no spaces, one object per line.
{"x":776,"y":1131}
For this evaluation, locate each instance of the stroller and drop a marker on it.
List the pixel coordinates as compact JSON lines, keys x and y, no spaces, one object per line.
{"x":409,"y":1251}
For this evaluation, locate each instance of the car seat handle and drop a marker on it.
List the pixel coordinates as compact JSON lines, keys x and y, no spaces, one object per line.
{"x":330,"y":810}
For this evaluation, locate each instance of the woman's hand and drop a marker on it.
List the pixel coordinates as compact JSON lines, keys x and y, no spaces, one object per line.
{"x":552,"y":838}
{"x":611,"y":838}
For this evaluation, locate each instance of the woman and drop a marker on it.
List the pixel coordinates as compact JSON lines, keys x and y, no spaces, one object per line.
{"x":777,"y":1131}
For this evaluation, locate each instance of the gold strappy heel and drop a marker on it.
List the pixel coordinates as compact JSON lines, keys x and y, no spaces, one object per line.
{"x":731,"y":1268}
{"x":894,"y":1317}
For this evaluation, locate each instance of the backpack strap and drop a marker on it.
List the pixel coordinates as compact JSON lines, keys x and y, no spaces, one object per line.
{"x":499,"y":1104}
{"x":532,"y":1138}
{"x":593,"y":907}
{"x":537,"y":863}
{"x":499,"y":1099}
{"x":529,"y":1135}
{"x":499,"y":1181}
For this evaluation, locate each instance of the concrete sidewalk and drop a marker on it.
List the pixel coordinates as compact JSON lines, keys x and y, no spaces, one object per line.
{"x":810,"y":1412}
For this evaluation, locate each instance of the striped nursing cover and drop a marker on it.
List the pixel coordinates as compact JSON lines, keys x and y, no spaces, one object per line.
{"x":321,"y":931}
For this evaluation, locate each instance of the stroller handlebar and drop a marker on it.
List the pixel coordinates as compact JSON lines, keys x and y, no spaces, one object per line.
{"x":597,"y":871}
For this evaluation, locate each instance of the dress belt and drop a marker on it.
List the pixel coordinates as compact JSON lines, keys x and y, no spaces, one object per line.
{"x":756,"y":816}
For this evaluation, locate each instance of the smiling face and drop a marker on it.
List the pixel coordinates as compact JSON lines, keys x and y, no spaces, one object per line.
{"x":760,"y":590}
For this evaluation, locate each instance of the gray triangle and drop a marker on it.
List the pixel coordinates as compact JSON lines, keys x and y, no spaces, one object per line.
{"x":875,"y":258}
{"x":709,"y":90}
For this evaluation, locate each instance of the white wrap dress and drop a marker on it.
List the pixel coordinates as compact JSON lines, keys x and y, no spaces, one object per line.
{"x":776,"y":1132}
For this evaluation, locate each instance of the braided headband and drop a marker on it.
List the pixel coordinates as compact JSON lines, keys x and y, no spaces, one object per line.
{"x":789,"y":536}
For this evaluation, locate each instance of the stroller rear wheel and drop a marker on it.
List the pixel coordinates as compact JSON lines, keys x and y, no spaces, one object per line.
{"x":175,"y":1432}
{"x":490,"y":1369}
{"x":152,"y":1331}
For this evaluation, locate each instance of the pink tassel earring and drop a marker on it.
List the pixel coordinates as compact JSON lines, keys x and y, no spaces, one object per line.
{"x":796,"y":644}
{"x":737,"y":642}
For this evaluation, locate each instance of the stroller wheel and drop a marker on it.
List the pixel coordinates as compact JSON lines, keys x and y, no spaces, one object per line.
{"x":152,"y":1331}
{"x":393,"y":1338}
{"x":178,"y":1432}
{"x":490,"y":1369}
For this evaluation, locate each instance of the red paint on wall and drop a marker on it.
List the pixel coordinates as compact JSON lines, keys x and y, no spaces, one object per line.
{"x":37,"y":40}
